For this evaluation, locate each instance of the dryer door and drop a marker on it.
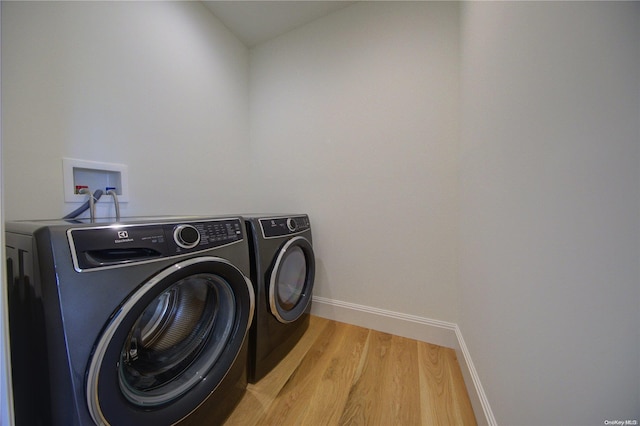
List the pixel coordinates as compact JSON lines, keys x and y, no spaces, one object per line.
{"x":291,"y":280}
{"x":170,"y":344}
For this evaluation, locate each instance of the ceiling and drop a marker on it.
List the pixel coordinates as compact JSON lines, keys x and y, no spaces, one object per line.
{"x":254,"y":22}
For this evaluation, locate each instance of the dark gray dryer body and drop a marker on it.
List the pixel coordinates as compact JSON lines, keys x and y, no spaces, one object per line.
{"x":283,"y":273}
{"x":141,"y":322}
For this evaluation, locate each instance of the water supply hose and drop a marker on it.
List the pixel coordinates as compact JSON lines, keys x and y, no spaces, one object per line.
{"x":89,"y":204}
{"x":112,"y":192}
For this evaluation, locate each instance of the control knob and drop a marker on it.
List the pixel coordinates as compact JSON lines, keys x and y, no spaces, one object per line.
{"x":291,"y":224}
{"x":186,"y":236}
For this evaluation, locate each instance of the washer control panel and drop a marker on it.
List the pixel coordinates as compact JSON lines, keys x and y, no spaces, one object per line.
{"x":114,"y":245}
{"x":282,"y":226}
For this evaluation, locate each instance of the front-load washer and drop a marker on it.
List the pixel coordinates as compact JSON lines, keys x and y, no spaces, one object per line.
{"x":283,"y":273}
{"x":140,"y":322}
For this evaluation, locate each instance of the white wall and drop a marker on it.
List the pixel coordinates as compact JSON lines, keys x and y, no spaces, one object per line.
{"x":6,"y":397}
{"x":354,"y":120}
{"x":159,"y":86}
{"x":550,"y":208}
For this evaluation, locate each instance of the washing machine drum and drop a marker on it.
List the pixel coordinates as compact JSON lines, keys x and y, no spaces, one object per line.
{"x":291,"y":280}
{"x":170,"y":344}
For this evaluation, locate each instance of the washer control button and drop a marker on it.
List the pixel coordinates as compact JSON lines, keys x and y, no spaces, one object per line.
{"x":186,"y":236}
{"x":291,"y":224}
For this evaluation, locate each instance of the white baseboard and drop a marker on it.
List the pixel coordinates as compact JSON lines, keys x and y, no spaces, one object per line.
{"x":476,"y":393}
{"x":440,"y":333}
{"x":427,"y":330}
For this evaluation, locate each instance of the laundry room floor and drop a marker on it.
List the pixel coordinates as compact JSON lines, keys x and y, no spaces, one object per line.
{"x":342,"y":374}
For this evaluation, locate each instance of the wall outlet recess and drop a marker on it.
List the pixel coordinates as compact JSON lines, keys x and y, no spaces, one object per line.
{"x":93,"y":175}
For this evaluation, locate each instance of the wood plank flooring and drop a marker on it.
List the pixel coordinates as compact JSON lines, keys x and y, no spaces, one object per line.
{"x":341,"y":374}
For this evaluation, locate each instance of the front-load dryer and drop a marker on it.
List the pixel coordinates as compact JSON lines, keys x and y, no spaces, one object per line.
{"x":283,"y":273}
{"x":140,"y":322}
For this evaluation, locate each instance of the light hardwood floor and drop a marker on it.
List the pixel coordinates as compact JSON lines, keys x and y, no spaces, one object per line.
{"x":341,"y":374}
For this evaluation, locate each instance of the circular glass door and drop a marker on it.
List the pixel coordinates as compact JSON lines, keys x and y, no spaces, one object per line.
{"x":170,"y":343}
{"x":167,"y":345}
{"x":292,"y":277}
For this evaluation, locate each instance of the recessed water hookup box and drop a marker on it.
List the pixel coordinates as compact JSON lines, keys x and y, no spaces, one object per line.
{"x":94,"y":175}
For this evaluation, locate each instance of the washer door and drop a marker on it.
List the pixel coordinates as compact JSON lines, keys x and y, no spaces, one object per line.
{"x":170,"y":344}
{"x":291,"y":283}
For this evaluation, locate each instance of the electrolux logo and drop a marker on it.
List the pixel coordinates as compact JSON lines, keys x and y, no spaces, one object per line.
{"x":123,"y":237}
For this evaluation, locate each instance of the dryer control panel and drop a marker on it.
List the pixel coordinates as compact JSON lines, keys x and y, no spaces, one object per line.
{"x":117,"y":245}
{"x":283,"y":226}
